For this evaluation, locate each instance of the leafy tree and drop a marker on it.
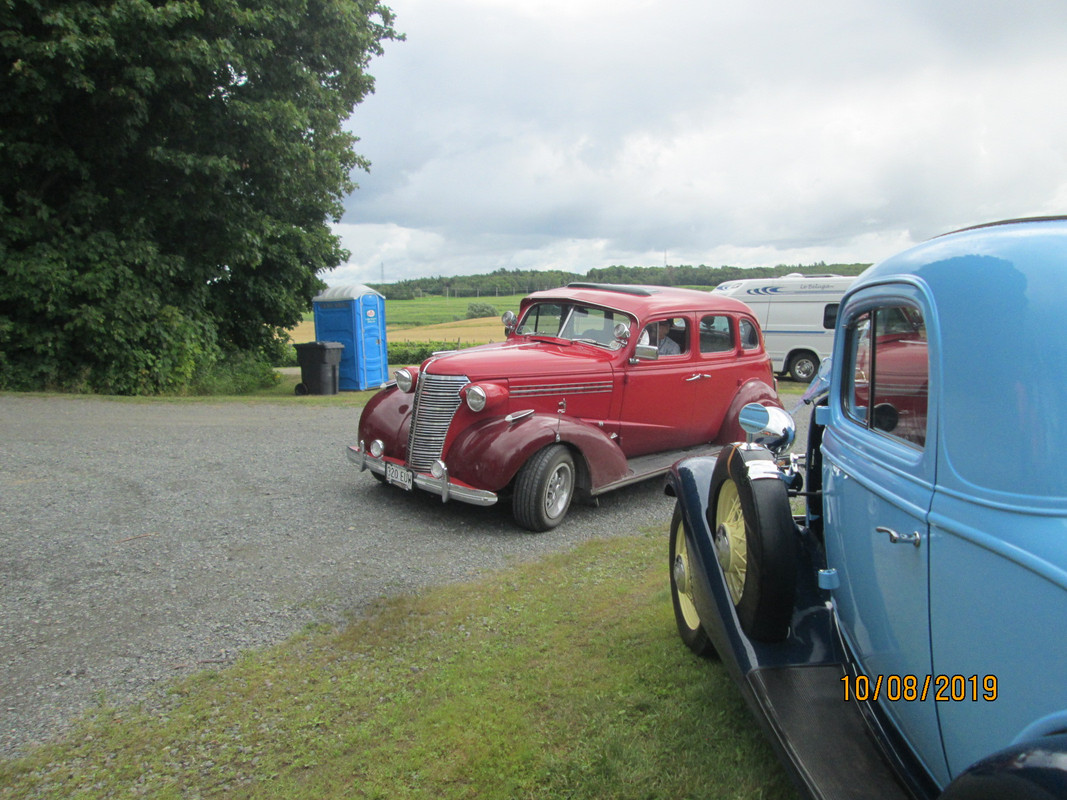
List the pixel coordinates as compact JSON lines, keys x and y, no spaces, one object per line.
{"x":168,"y":170}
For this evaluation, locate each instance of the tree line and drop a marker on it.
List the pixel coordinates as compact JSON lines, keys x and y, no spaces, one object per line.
{"x":504,"y":282}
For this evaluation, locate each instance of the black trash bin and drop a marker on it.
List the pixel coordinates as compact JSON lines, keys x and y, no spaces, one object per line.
{"x":318,"y":367}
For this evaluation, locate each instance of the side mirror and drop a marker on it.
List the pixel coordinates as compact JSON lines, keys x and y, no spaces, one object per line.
{"x":509,"y":319}
{"x":645,"y":352}
{"x":885,"y":417}
{"x":768,"y":426}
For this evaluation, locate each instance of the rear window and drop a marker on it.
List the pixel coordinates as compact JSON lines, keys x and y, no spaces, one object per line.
{"x":716,"y":334}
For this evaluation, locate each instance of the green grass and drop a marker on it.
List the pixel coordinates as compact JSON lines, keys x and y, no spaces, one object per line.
{"x":558,"y":678}
{"x":433,"y":309}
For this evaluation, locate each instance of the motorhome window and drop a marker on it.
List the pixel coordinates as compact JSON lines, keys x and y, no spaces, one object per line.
{"x":749,"y":335}
{"x":716,"y":334}
{"x":829,"y":315}
{"x":889,"y":373}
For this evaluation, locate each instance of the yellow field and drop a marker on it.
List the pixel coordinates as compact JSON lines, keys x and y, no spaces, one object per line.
{"x":466,"y":331}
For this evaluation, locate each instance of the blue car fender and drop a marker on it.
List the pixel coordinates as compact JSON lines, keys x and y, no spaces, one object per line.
{"x":1033,"y":770}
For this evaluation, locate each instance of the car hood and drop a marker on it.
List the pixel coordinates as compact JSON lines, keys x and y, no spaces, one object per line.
{"x":525,"y":358}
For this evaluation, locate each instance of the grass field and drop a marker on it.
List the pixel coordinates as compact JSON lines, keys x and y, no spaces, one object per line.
{"x":466,"y":331}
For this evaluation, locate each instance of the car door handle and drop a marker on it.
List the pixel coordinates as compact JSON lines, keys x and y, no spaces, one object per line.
{"x":900,"y":538}
{"x":697,"y":377}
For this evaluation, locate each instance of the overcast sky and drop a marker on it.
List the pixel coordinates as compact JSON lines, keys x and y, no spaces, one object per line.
{"x":571,"y":134}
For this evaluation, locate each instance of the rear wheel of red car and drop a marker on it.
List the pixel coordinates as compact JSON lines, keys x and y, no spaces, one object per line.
{"x":544,"y":488}
{"x":685,"y":611}
{"x":753,"y":532}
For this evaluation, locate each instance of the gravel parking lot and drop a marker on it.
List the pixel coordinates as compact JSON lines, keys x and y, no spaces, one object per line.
{"x":143,"y":541}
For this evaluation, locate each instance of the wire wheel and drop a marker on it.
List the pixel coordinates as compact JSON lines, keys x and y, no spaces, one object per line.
{"x":686,"y":615}
{"x":731,"y":544}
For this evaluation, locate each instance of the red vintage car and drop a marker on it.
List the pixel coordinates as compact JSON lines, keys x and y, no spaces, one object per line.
{"x":596,"y":387}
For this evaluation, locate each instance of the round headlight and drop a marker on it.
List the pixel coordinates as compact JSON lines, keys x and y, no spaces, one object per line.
{"x":377,"y":447}
{"x":405,"y":381}
{"x":476,"y":398}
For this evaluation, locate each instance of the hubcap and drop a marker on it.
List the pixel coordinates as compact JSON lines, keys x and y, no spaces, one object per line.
{"x":558,"y":490}
{"x":681,"y":579}
{"x":730,"y":543}
{"x":680,"y":572}
{"x":805,"y":369}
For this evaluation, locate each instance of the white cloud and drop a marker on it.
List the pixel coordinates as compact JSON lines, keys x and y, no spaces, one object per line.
{"x":577,"y":134}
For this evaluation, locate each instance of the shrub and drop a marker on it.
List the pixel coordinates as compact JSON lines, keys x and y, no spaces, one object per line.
{"x":479,"y":310}
{"x":236,"y":373}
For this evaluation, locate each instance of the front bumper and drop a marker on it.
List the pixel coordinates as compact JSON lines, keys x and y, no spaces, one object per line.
{"x":445,"y":487}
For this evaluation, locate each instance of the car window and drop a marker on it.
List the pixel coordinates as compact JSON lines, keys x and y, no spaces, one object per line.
{"x":593,"y":325}
{"x":542,"y":318}
{"x":669,"y":336}
{"x":888,"y":372}
{"x":589,"y":324}
{"x":749,"y":335}
{"x":716,"y":334}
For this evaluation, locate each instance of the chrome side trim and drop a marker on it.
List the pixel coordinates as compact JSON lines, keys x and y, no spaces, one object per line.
{"x":589,"y":387}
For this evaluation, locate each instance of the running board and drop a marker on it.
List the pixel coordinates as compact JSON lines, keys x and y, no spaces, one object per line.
{"x":643,"y":468}
{"x":823,"y":737}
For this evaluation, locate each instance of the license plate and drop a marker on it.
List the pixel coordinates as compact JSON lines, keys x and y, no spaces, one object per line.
{"x":398,"y":475}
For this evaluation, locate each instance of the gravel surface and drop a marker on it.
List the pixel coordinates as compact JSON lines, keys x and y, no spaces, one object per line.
{"x":144,"y":541}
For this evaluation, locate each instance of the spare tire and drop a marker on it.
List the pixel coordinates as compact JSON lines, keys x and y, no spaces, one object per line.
{"x":755,"y":540}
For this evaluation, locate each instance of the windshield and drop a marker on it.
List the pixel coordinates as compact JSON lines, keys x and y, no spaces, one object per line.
{"x":576,"y":322}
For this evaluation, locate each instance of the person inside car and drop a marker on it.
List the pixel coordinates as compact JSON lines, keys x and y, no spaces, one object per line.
{"x":667,"y":346}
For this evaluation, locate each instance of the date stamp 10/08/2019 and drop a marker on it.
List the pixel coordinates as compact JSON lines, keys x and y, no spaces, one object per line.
{"x":942,"y":688}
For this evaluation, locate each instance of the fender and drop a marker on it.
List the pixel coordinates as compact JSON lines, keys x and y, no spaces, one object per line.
{"x":488,"y":455}
{"x":387,"y":416}
{"x":751,"y":391}
{"x":1033,"y":770}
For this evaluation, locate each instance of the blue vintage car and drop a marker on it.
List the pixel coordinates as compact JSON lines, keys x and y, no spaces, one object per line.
{"x":906,"y":636}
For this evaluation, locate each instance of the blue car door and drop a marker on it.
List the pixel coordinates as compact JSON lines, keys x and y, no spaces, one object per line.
{"x":878,"y":484}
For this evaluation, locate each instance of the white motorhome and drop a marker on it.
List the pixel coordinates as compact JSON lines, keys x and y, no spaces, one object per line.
{"x":797,"y":314}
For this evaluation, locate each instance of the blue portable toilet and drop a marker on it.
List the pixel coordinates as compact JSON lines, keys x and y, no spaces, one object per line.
{"x":354,"y":315}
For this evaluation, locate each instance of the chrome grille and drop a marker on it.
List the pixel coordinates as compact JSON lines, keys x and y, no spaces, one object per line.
{"x":436,"y":401}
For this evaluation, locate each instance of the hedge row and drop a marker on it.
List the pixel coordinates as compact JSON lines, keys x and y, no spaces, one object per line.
{"x":402,"y":353}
